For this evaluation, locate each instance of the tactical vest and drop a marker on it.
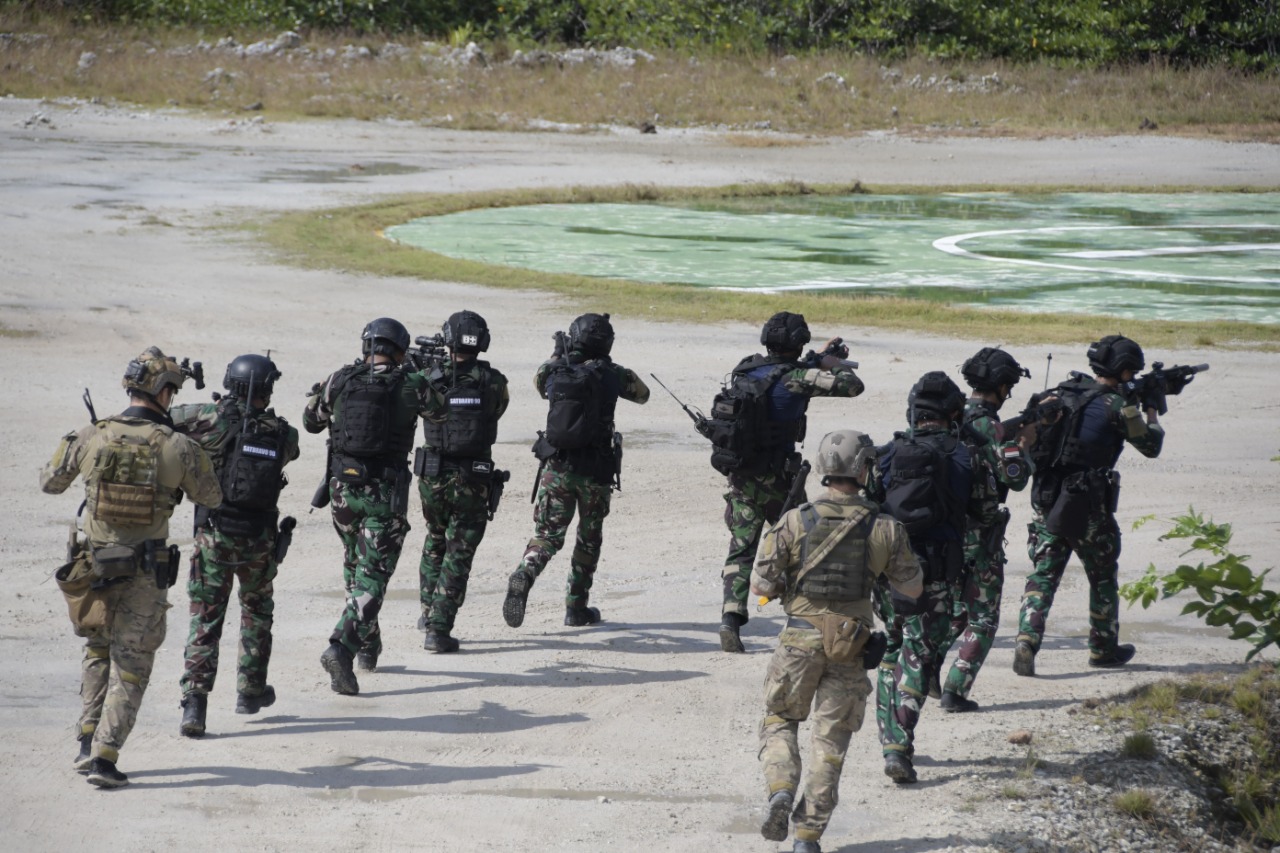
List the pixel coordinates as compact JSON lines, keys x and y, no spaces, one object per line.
{"x":919,"y":491}
{"x":369,"y":419}
{"x":123,"y":486}
{"x":583,"y":396}
{"x":251,"y":461}
{"x":755,"y":421}
{"x":843,"y":574}
{"x":1060,"y":445}
{"x":470,"y":426}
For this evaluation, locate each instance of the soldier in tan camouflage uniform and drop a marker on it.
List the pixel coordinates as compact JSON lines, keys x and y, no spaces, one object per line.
{"x":823,"y":558}
{"x":135,"y":469}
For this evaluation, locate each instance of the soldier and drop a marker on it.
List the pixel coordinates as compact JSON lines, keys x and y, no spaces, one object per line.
{"x":927,"y":482}
{"x":370,"y":408}
{"x":1074,"y":494}
{"x":762,"y":473}
{"x":250,"y":445}
{"x":823,"y":558}
{"x":581,"y":458}
{"x":458,"y":481}
{"x":135,"y":469}
{"x":991,"y":373}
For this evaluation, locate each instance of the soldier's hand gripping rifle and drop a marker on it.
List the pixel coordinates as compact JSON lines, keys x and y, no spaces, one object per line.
{"x":835,"y":355}
{"x":561,"y":348}
{"x":1042,"y":408}
{"x":1152,"y":388}
{"x":431,"y":352}
{"x":699,"y":419}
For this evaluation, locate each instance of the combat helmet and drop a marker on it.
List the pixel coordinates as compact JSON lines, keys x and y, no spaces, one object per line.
{"x":466,"y":331}
{"x":251,"y":371}
{"x":842,"y":454}
{"x":1114,"y":354}
{"x":934,"y":397}
{"x":384,"y":336}
{"x":785,"y":332}
{"x":990,"y":368}
{"x":149,"y":373}
{"x":591,"y":334}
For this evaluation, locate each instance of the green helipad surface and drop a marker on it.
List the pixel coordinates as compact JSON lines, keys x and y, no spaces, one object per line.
{"x":1187,"y":256}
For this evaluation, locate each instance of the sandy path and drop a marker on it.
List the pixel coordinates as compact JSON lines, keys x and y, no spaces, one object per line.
{"x":636,"y":735}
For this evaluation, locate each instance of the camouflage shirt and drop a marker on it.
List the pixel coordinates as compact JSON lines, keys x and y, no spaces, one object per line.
{"x":180,"y":467}
{"x":778,"y":559}
{"x":814,"y":382}
{"x":1000,"y":466}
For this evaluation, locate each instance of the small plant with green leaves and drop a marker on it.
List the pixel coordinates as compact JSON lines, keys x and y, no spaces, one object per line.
{"x":1230,"y":593}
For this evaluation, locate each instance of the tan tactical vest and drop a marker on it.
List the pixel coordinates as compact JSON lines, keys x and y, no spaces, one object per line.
{"x":123,"y":488}
{"x":843,"y":574}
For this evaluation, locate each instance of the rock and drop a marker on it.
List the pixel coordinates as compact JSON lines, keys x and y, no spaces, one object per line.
{"x":1020,"y":738}
{"x":87,"y":60}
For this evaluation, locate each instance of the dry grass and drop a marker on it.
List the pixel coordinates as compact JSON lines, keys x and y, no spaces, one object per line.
{"x":159,"y":67}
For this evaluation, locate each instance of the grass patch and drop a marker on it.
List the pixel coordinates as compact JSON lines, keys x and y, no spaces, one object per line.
{"x":378,"y":76}
{"x":350,"y":238}
{"x":1136,"y":803}
{"x":1139,"y":745}
{"x":1013,"y":792}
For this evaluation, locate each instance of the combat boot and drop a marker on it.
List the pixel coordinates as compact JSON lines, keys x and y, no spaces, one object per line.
{"x":730,"y":640}
{"x":1121,"y":656}
{"x":194,"y":706}
{"x":367,"y":660}
{"x":954,"y":703}
{"x":577,"y":617}
{"x":774,"y":827}
{"x":1024,"y":659}
{"x":422,"y":623}
{"x":85,"y":757}
{"x":518,"y":586}
{"x":247,"y":703}
{"x":440,"y":642}
{"x":336,"y":661}
{"x":806,"y":847}
{"x":898,"y":768}
{"x":104,"y":774}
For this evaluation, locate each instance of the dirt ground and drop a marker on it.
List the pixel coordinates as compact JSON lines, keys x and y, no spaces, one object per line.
{"x":638,"y":734}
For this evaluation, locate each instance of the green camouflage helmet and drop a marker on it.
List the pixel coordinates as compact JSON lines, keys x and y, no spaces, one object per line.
{"x":150,"y":372}
{"x":843,"y":453}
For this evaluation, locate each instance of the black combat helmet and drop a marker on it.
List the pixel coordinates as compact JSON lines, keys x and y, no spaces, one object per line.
{"x":466,"y":331}
{"x":246,"y":371}
{"x":1114,"y":354}
{"x":591,"y":334}
{"x":384,"y":336}
{"x":785,"y":332}
{"x":990,"y":368}
{"x":934,"y":397}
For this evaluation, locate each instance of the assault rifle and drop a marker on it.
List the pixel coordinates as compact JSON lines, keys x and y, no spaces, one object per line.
{"x":796,"y":492}
{"x":431,"y":352}
{"x":699,"y":420}
{"x":195,"y":370}
{"x":1042,"y":408}
{"x":836,"y":348}
{"x":561,"y":348}
{"x":1152,"y":388}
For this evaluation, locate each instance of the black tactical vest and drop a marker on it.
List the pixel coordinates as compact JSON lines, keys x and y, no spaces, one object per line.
{"x":471,"y":425}
{"x":370,"y":420}
{"x":251,"y":461}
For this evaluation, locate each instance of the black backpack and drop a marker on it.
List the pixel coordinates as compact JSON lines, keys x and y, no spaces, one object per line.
{"x":919,"y":491}
{"x":576,"y":420}
{"x":1057,"y":443}
{"x":742,"y":433}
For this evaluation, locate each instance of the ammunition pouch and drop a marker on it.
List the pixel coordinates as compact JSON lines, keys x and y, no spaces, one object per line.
{"x":86,"y":607}
{"x":113,"y":563}
{"x":843,"y":637}
{"x":426,"y":463}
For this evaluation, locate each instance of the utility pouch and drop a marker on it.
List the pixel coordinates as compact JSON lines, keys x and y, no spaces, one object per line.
{"x":1069,"y":517}
{"x":426,"y":463}
{"x":351,"y":471}
{"x":114,"y":562}
{"x":402,"y":479}
{"x":843,"y":637}
{"x":497,"y":484}
{"x":85,"y":605}
{"x":284,"y":537}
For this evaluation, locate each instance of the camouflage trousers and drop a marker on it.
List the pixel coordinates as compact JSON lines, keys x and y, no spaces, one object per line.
{"x":456,"y":511}
{"x":916,"y":647}
{"x":117,"y":662}
{"x":561,"y":492}
{"x":750,"y":503}
{"x":372,"y":536}
{"x":800,"y":677}
{"x":976,"y":615}
{"x":220,"y":560}
{"x":1099,"y":551}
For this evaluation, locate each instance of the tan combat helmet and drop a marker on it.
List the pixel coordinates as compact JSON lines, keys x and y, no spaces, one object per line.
{"x":843,"y":453}
{"x":150,"y":371}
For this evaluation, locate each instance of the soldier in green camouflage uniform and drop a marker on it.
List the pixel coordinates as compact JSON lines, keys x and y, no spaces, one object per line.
{"x":239,"y":540}
{"x":581,"y":455}
{"x":370,"y":409}
{"x":1074,"y":494}
{"x":456,"y":472}
{"x":992,"y":373}
{"x":135,"y":469}
{"x":758,"y":491}
{"x":823,"y":559}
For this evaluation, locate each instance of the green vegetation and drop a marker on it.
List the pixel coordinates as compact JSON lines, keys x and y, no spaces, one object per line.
{"x":1230,"y":593}
{"x":1136,"y":803}
{"x":349,"y":238}
{"x":1139,"y":745}
{"x":1241,"y":33}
